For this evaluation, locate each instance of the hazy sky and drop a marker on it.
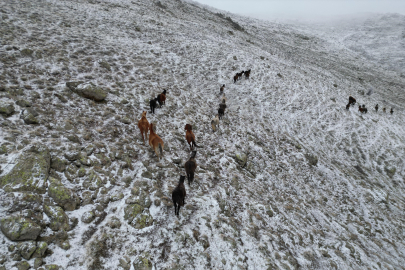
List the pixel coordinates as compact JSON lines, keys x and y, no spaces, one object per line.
{"x":305,"y":9}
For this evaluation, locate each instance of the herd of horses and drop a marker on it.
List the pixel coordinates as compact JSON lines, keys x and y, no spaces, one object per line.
{"x":156,"y":143}
{"x":362,"y":108}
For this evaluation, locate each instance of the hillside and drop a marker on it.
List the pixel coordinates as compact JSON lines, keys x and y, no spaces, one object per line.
{"x":290,"y":181}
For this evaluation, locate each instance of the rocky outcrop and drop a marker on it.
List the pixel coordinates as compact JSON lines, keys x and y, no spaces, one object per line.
{"x":18,"y":228}
{"x":30,"y":172}
{"x":87,"y":90}
{"x":64,"y":197}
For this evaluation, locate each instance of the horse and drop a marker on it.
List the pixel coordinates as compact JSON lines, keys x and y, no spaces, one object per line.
{"x":347,"y":106}
{"x":362,"y":109}
{"x":222,"y":106}
{"x":383,"y":110}
{"x":155,"y":142}
{"x":376,"y":108}
{"x":153,"y":105}
{"x":223,"y":99}
{"x":178,"y":195}
{"x":190,"y":167}
{"x":143,"y":125}
{"x":235,"y":78}
{"x":221,"y":90}
{"x":190,"y":137}
{"x":247,"y":74}
{"x":162,"y":98}
{"x":352,"y":100}
{"x":392,"y":111}
{"x":221,"y":112}
{"x":215,"y":122}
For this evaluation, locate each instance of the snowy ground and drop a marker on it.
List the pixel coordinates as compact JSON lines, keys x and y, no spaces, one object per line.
{"x":278,"y":211}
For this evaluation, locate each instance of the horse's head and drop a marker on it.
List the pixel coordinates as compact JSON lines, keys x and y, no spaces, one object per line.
{"x":144,"y":114}
{"x":188,"y":127}
{"x":182,"y":178}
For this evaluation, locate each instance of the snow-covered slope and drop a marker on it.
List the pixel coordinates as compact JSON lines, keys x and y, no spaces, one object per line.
{"x":291,"y":180}
{"x":376,"y":37}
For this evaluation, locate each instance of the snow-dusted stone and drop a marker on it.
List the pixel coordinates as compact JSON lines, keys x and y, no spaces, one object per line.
{"x":114,"y":223}
{"x":30,"y":172}
{"x":64,"y":197}
{"x":23,"y":103}
{"x":88,"y":90}
{"x":30,"y":119}
{"x":40,"y":250}
{"x":87,"y":198}
{"x":18,"y":228}
{"x":6,"y":108}
{"x":93,"y":181}
{"x":58,"y":164}
{"x":142,"y":263}
{"x":72,"y":155}
{"x":59,"y":220}
{"x":312,"y":160}
{"x":52,"y":267}
{"x":27,"y":249}
{"x":22,"y":265}
{"x":88,"y":217}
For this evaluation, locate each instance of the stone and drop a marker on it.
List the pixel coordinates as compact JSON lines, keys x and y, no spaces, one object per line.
{"x":93,"y":181}
{"x":40,"y":250}
{"x":58,"y":219}
{"x":117,"y":197}
{"x":72,"y":155}
{"x":65,"y":245}
{"x":142,"y":263}
{"x":114,"y":223}
{"x":85,"y":160}
{"x":87,"y":90}
{"x":22,"y":265}
{"x":64,"y":197}
{"x":27,"y":249}
{"x":30,"y":119}
{"x":18,"y":228}
{"x":23,"y":103}
{"x":142,"y":221}
{"x":131,"y":211}
{"x":73,"y":138}
{"x":390,"y":171}
{"x":30,"y":172}
{"x":6,"y":108}
{"x":87,"y":198}
{"x":58,"y":164}
{"x":38,"y":262}
{"x":88,"y":217}
{"x":312,"y":160}
{"x":52,"y":267}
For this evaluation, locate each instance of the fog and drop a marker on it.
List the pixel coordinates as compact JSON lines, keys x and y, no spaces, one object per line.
{"x":309,"y":10}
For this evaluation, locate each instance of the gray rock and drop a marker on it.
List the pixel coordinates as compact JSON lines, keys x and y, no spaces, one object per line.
{"x":30,"y":119}
{"x":93,"y":181}
{"x":27,"y":249}
{"x":6,"y":108}
{"x":30,"y":172}
{"x":18,"y":228}
{"x":58,"y":164}
{"x":88,"y":217}
{"x":87,"y":90}
{"x":312,"y":160}
{"x":22,"y":265}
{"x":61,"y":98}
{"x":40,"y":251}
{"x":23,"y":103}
{"x":59,"y":220}
{"x":38,"y":262}
{"x":52,"y":267}
{"x":142,"y":263}
{"x":87,"y":198}
{"x":64,"y":197}
{"x":73,"y":138}
{"x":72,"y":155}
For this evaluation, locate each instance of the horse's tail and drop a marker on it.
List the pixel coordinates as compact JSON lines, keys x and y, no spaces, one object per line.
{"x":193,"y":142}
{"x":213,"y":125}
{"x":160,"y":149}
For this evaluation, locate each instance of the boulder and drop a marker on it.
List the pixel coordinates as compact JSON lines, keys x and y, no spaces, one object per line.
{"x":40,"y":250}
{"x":58,"y":164}
{"x":87,"y":90}
{"x":23,"y":103}
{"x":27,"y":249}
{"x":22,"y":265}
{"x":30,"y":119}
{"x":58,"y":219}
{"x":18,"y":228}
{"x":6,"y":108}
{"x":30,"y":172}
{"x":88,"y":217}
{"x":64,"y":197}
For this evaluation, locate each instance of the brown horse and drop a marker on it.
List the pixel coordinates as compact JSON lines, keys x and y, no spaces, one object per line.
{"x":155,"y":142}
{"x":352,"y":100}
{"x":162,"y":98}
{"x":190,"y":167}
{"x":143,"y":125}
{"x":178,"y":195}
{"x":190,"y":136}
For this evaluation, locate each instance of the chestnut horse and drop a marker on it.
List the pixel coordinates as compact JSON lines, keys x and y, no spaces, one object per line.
{"x":161,"y":98}
{"x":155,"y":142}
{"x":143,"y":125}
{"x":190,"y":136}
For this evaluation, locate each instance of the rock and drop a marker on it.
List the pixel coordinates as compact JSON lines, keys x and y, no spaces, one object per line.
{"x":312,"y":160}
{"x":23,"y":103}
{"x":61,"y":98}
{"x":64,"y":197}
{"x":114,"y":223}
{"x":38,"y":262}
{"x":105,"y":65}
{"x":390,"y":171}
{"x":142,"y":221}
{"x":30,"y":119}
{"x":73,"y":138}
{"x":58,"y":164}
{"x":147,"y":175}
{"x":131,"y":211}
{"x":27,"y":249}
{"x":177,"y":161}
{"x":85,"y":160}
{"x":6,"y":108}
{"x":40,"y":251}
{"x":64,"y":245}
{"x":125,"y":263}
{"x":87,"y":90}
{"x":30,"y":172}
{"x":22,"y":265}
{"x":18,"y":228}
{"x":93,"y":181}
{"x":58,"y":219}
{"x":88,"y":217}
{"x":142,"y":263}
{"x":52,"y":267}
{"x":27,"y":52}
{"x":117,"y":197}
{"x":126,"y":120}
{"x":87,"y":198}
{"x":72,"y":155}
